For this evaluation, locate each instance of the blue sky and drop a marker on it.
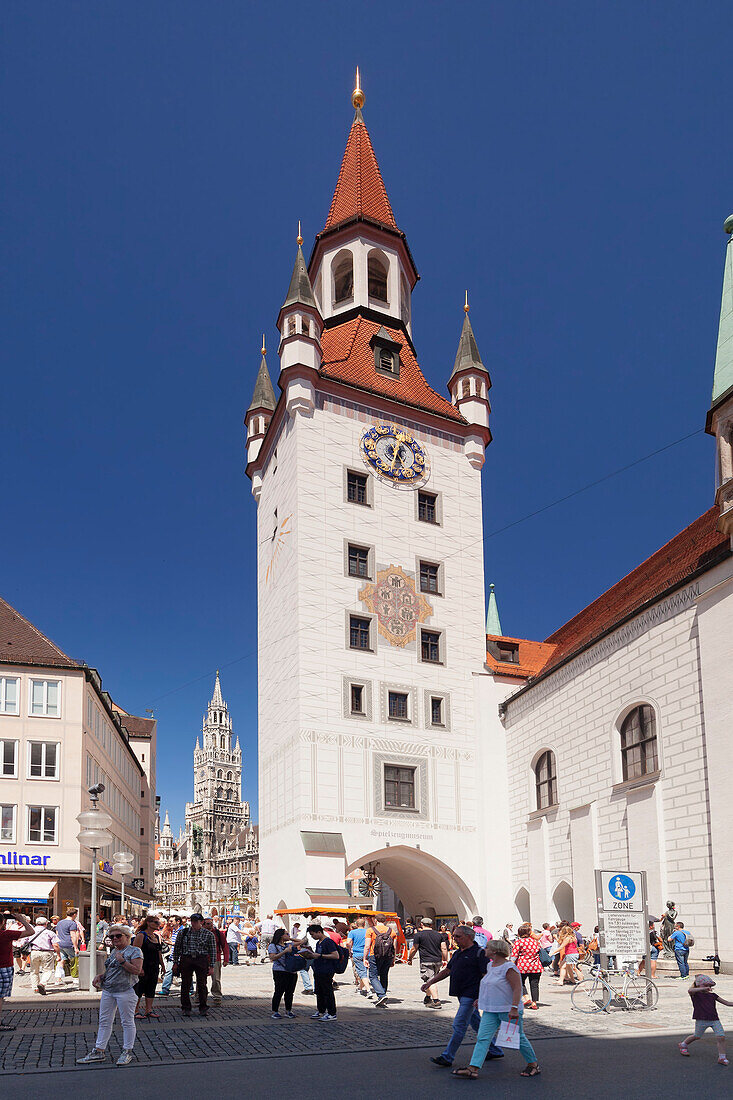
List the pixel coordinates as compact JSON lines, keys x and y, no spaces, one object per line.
{"x":568,"y":163}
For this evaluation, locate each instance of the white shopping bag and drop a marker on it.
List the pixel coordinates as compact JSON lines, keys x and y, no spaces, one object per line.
{"x":508,"y":1035}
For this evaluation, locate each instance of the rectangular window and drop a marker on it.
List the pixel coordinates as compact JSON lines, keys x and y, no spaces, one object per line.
{"x":42,"y":824}
{"x":359,"y":632}
{"x":426,"y":507}
{"x":7,"y":823}
{"x":43,"y":760}
{"x":45,"y":700}
{"x":436,"y":711}
{"x":356,"y":487}
{"x":358,"y":561}
{"x":430,"y":646}
{"x":399,"y":787}
{"x":429,"y":577}
{"x":9,"y":695}
{"x":9,"y":759}
{"x":398,"y":705}
{"x":357,"y":699}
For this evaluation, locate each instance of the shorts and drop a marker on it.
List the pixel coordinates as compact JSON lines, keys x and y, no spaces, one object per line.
{"x":654,"y":952}
{"x":359,"y":967}
{"x":701,"y":1027}
{"x":429,"y":970}
{"x":6,"y":981}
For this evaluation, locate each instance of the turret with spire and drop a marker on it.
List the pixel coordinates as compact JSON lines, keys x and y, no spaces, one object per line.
{"x":469,"y":386}
{"x":259,"y":414}
{"x":300,"y":324}
{"x":720,"y":417}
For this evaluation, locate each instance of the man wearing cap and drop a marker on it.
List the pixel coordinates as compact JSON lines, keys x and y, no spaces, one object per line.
{"x":194,"y":952}
{"x":43,"y":955}
{"x":433,"y":949}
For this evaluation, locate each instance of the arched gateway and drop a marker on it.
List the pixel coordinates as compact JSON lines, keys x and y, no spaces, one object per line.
{"x":425,"y":885}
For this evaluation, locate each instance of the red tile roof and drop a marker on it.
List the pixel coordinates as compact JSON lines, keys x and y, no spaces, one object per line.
{"x":533,"y":656}
{"x":699,"y":546}
{"x":138,"y":727}
{"x":22,"y":643}
{"x":360,"y":190}
{"x":347,"y":357}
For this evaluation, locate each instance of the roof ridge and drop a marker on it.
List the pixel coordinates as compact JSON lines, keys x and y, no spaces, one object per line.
{"x":40,"y":633}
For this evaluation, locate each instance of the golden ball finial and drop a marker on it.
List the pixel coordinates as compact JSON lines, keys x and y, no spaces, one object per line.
{"x":357,"y":96}
{"x":263,"y":349}
{"x":300,"y":235}
{"x":466,"y":306}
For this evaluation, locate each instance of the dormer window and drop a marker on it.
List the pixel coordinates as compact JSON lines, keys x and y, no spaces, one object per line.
{"x":343,"y":278}
{"x":508,"y":652}
{"x":377,"y":277}
{"x":386,"y":354}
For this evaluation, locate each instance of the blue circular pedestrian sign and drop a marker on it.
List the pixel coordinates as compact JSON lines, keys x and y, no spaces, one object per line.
{"x":621,"y":887}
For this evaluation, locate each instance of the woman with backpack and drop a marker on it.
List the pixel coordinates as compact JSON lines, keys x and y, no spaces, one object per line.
{"x":379,"y":956}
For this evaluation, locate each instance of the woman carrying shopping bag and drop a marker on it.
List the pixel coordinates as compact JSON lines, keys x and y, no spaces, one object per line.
{"x":500,"y":1003}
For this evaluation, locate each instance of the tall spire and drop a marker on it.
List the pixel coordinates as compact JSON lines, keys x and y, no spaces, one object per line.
{"x":216,"y":699}
{"x":723,"y":377}
{"x":493,"y":625}
{"x":264,"y":395}
{"x":360,"y":192}
{"x":467,"y":356}
{"x":300,"y":291}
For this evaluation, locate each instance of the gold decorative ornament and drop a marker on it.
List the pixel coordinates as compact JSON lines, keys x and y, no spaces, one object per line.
{"x":357,"y":96}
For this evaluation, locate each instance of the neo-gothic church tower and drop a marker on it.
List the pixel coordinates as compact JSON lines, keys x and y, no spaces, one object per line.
{"x":217,"y":812}
{"x":370,"y":577}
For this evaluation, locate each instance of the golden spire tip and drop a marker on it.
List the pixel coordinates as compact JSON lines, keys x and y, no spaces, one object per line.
{"x":357,"y":97}
{"x":264,"y":350}
{"x":466,"y":306}
{"x":300,"y":235}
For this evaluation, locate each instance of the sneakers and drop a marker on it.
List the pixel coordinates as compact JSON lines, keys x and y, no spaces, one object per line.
{"x":42,"y":990}
{"x":275,"y":1016}
{"x":125,"y":1058}
{"x":93,"y":1056}
{"x":317,"y":1016}
{"x":328,"y":1016}
{"x":290,"y":1015}
{"x":380,"y":1000}
{"x":441,"y":1061}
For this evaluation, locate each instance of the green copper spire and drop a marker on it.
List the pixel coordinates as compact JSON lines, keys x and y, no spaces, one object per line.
{"x":723,"y":378}
{"x":493,"y":626}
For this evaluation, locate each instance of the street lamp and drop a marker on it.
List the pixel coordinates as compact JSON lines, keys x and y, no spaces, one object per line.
{"x":123,"y":866}
{"x":94,"y":824}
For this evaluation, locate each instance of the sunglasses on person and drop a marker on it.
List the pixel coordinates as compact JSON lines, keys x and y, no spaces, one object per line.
{"x":117,"y":936}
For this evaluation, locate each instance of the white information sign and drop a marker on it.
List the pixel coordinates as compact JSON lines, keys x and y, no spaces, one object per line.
{"x":624,"y":935}
{"x":621,"y":892}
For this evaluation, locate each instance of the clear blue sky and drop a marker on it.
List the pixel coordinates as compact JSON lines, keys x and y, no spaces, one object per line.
{"x":569,"y":163}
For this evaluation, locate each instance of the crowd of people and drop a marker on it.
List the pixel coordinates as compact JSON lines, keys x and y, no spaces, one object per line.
{"x":494,"y":979}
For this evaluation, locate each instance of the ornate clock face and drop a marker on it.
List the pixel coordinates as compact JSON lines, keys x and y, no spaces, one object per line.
{"x":395,"y":456}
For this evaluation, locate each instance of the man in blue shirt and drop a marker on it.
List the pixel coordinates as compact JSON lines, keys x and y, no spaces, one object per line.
{"x":678,"y":940}
{"x":466,"y":968}
{"x":67,"y":931}
{"x":356,"y":943}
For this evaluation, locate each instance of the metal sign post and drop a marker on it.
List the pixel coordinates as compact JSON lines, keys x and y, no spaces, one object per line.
{"x":623,"y":917}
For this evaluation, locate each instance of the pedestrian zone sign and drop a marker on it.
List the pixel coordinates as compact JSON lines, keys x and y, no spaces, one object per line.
{"x":621,"y":892}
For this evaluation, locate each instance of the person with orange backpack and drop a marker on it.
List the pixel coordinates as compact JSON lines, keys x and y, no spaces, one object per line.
{"x":379,"y":956}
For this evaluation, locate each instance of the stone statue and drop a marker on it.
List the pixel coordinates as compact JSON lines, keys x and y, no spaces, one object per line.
{"x":668,"y":923}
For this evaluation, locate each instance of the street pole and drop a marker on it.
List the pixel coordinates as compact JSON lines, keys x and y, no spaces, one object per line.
{"x":93,"y":923}
{"x":122,"y":895}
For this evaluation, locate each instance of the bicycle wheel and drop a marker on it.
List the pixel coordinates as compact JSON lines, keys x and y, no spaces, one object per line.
{"x":641,"y":992}
{"x":590,"y":995}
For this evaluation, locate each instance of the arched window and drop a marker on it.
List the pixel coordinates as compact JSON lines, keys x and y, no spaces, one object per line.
{"x":343,"y":278}
{"x":465,"y":388}
{"x":219,"y":792}
{"x":229,"y":775}
{"x":639,"y":743}
{"x":230,"y":796}
{"x":305,"y":326}
{"x":291,"y":326}
{"x":219,"y":774}
{"x":404,"y":301}
{"x":377,"y":276}
{"x":545,"y":776}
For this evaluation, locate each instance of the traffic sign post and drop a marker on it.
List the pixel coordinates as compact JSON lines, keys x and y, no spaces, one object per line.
{"x":623,"y":917}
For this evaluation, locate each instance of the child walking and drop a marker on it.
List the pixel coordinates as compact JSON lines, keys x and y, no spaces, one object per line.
{"x":705,"y":1014}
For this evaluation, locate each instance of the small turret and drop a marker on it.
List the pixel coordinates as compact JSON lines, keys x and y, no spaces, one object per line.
{"x":300,"y":324}
{"x":259,"y":414}
{"x":469,"y":386}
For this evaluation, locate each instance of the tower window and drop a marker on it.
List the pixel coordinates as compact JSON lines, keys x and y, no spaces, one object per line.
{"x":429,"y":573}
{"x":399,"y":787}
{"x":430,"y":646}
{"x":359,"y":632}
{"x":305,"y":326}
{"x":545,"y":773}
{"x":356,"y":488}
{"x":343,"y":278}
{"x":357,"y":699}
{"x":291,"y":326}
{"x":398,"y":705}
{"x":465,"y":388}
{"x":358,"y":561}
{"x":404,"y":301}
{"x":426,"y":509}
{"x":436,"y":711}
{"x":639,"y":743}
{"x":377,"y":277}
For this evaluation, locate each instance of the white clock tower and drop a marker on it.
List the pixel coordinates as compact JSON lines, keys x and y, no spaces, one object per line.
{"x":370,"y":582}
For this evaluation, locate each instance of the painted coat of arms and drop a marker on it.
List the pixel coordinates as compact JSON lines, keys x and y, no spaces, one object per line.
{"x":399,"y":607}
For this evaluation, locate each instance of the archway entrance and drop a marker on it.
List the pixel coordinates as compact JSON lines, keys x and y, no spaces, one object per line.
{"x":426,"y":886}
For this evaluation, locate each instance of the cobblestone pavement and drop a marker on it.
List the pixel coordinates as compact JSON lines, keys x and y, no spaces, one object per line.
{"x":50,"y":1033}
